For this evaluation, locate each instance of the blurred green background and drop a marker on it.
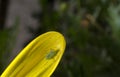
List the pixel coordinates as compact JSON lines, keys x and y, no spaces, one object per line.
{"x":91,"y":29}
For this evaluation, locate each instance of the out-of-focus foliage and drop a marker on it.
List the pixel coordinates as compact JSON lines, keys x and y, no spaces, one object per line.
{"x":7,"y":43}
{"x":92,"y":31}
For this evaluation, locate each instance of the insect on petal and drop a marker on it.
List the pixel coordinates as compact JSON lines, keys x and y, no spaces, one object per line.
{"x":39,"y":58}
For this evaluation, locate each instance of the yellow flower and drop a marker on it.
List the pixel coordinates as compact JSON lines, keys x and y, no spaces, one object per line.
{"x":39,"y":58}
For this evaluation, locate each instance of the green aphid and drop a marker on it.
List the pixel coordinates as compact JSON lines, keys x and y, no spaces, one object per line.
{"x":51,"y":54}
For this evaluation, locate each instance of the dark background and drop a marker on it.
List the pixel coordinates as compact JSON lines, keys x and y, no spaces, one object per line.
{"x":91,"y":29}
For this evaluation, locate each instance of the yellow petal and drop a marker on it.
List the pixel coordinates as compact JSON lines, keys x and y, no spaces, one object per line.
{"x":39,"y":58}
